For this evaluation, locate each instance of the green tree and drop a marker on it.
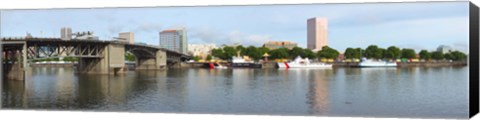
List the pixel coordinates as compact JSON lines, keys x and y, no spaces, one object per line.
{"x":209,"y":57}
{"x":196,"y":58}
{"x":360,"y":53}
{"x":408,"y":53}
{"x":129,"y":56}
{"x":229,"y":52}
{"x":424,"y":54}
{"x":218,"y":53}
{"x":70,"y":59}
{"x":458,"y":56}
{"x":263,"y":50}
{"x":253,"y":52}
{"x":351,"y":53}
{"x":378,"y":54}
{"x":67,"y":58}
{"x":437,"y":55}
{"x":448,"y":56}
{"x":307,"y":53}
{"x":296,"y":51}
{"x":240,"y":49}
{"x":393,"y":52}
{"x":280,"y":53}
{"x":328,"y":52}
{"x":371,"y":51}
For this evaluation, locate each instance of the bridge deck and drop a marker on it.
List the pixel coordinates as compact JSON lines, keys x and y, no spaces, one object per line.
{"x":46,"y":41}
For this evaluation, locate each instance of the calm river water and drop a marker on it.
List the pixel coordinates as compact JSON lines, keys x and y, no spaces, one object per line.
{"x":435,"y":92}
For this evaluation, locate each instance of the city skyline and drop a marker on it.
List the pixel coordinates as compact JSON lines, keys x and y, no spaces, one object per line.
{"x":350,"y":25}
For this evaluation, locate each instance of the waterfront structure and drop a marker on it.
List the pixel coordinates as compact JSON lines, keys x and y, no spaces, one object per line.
{"x":85,"y":36}
{"x":444,"y":49}
{"x":282,"y":44}
{"x":28,"y":35}
{"x":202,"y":50}
{"x":94,"y":56}
{"x":174,"y":39}
{"x":127,"y":37}
{"x":317,"y":33}
{"x":66,"y":33}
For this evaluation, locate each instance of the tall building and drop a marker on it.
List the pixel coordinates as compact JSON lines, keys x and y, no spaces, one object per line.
{"x":283,"y":44}
{"x":175,"y":40}
{"x":317,"y":33}
{"x":444,"y":49}
{"x":66,"y":33}
{"x":201,"y":50}
{"x":127,"y":36}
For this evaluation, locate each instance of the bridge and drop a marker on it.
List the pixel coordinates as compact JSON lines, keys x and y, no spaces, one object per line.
{"x":94,"y":56}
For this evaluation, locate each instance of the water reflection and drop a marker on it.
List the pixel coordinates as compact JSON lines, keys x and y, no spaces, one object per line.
{"x":388,"y":92}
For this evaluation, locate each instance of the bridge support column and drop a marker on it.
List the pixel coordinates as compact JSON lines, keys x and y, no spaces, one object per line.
{"x":111,"y":62}
{"x":15,"y":67}
{"x":158,"y":62}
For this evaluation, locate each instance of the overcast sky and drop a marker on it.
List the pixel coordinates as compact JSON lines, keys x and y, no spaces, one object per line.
{"x":424,"y":25}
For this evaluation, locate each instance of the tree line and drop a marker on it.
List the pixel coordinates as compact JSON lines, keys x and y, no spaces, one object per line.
{"x":393,"y":52}
{"x":67,"y":59}
{"x":256,"y":53}
{"x":371,"y":52}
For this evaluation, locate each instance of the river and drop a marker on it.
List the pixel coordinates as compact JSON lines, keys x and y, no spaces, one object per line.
{"x":414,"y":92}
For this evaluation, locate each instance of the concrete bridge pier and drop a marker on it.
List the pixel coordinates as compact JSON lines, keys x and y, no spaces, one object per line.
{"x":112,"y":61}
{"x":158,"y":62}
{"x":15,"y":66}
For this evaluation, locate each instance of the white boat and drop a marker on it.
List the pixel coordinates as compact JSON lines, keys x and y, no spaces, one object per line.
{"x":216,"y":66}
{"x":372,"y":63}
{"x":220,"y":67}
{"x":238,"y":62}
{"x":303,"y":63}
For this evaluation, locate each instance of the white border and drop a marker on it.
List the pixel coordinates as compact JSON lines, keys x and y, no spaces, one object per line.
{"x":45,"y":4}
{"x":35,"y":4}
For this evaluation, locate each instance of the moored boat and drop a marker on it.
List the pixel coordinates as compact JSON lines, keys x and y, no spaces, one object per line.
{"x":303,"y":63}
{"x":239,"y":62}
{"x":216,"y":66}
{"x":373,"y":63}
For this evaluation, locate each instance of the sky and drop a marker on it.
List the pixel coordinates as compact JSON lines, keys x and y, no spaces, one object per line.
{"x":422,"y":25}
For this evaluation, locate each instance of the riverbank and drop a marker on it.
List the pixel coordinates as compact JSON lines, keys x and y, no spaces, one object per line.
{"x":52,"y":64}
{"x":405,"y":64}
{"x":351,"y":64}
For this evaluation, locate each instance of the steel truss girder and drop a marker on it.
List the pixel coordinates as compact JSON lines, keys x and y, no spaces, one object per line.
{"x":37,"y":51}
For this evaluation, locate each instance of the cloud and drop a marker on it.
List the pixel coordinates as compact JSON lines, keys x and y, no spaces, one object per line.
{"x":460,"y":46}
{"x":245,"y":39}
{"x":372,"y":14}
{"x":209,"y":35}
{"x":419,"y":34}
{"x":148,"y":27}
{"x":114,"y":29}
{"x":105,"y":15}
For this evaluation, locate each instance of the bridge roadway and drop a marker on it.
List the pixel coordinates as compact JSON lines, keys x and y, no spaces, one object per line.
{"x":95,"y":56}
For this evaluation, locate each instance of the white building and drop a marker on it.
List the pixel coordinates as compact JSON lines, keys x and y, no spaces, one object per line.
{"x":444,"y":49}
{"x":175,"y":40}
{"x":66,"y":33}
{"x":127,"y":37}
{"x":202,"y":50}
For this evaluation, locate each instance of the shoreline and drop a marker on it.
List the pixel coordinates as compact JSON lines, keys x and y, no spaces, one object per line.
{"x":267,"y":65}
{"x":274,"y":64}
